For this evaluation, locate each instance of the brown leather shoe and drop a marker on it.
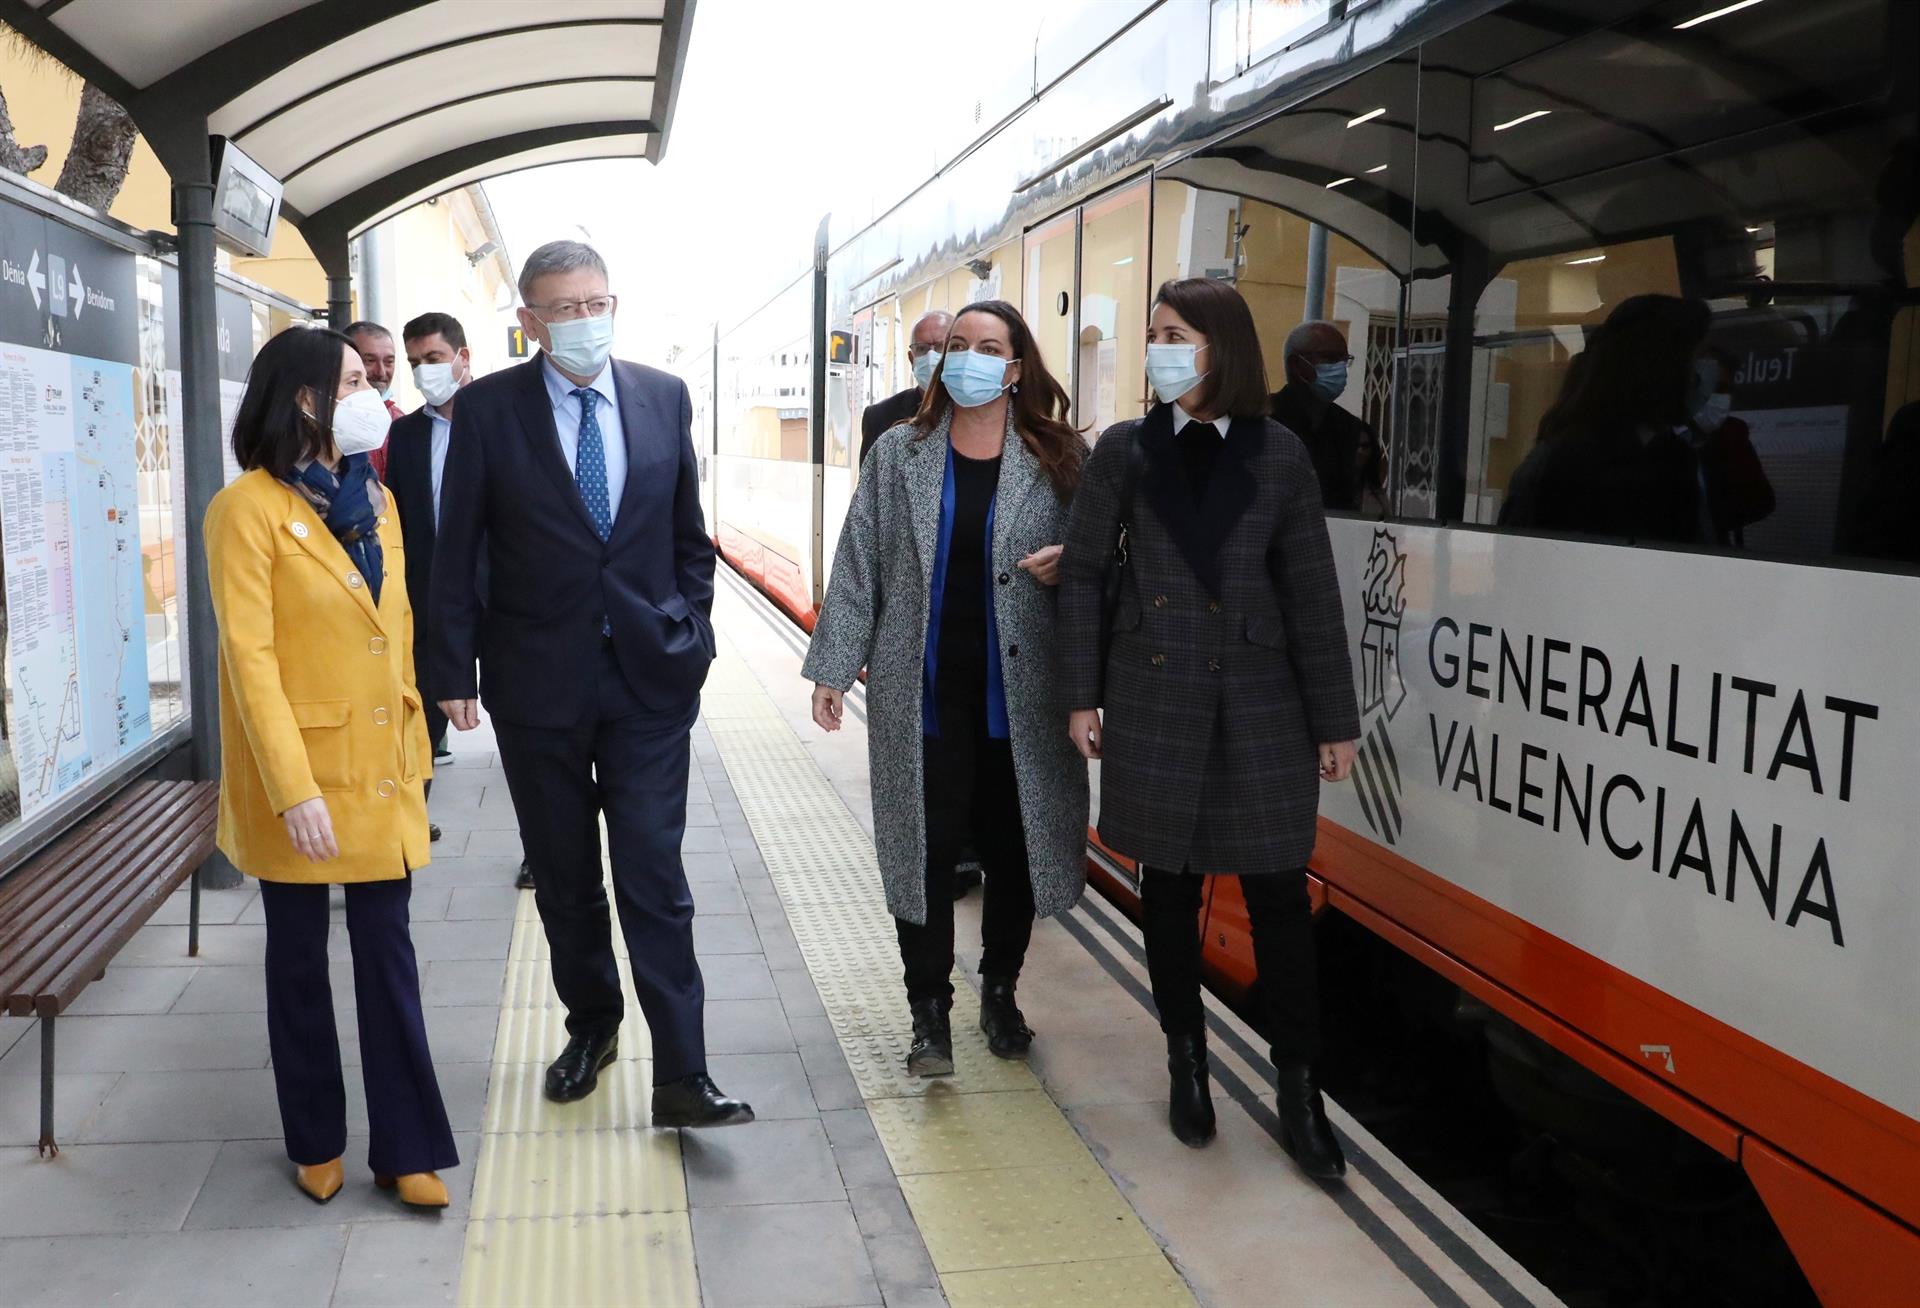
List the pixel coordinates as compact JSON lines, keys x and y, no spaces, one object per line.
{"x":320,"y":1181}
{"x":417,"y":1189}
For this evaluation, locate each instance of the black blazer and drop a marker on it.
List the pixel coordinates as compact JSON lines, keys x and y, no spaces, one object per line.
{"x":410,"y":481}
{"x":507,"y":495}
{"x":890,"y":412}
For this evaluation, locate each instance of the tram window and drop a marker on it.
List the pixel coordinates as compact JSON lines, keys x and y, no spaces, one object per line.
{"x":1052,"y":296}
{"x":1746,"y":190}
{"x":1110,"y":361}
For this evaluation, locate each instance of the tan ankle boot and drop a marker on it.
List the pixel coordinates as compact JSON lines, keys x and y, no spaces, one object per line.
{"x":321,"y":1181}
{"x":417,"y":1189}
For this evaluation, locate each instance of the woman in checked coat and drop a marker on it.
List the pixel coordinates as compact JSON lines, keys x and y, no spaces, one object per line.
{"x":943,"y":589}
{"x":1227,"y":688}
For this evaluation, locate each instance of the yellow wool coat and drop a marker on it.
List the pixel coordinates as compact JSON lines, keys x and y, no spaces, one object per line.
{"x":317,"y":690}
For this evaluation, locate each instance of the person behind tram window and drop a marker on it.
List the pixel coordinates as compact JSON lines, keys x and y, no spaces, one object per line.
{"x":324,"y":754}
{"x":1614,"y":457}
{"x":574,"y":485}
{"x":375,"y":344}
{"x":1348,"y":458}
{"x":942,"y":589}
{"x":1227,"y":691}
{"x":1738,"y":492}
{"x":923,"y":348}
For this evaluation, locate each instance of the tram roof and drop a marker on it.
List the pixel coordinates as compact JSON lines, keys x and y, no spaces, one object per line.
{"x":363,"y":108}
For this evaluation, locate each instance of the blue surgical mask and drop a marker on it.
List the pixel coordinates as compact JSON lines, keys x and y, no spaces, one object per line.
{"x":581,"y":346}
{"x":1330,"y":380}
{"x":924,"y":367}
{"x":1171,"y":370}
{"x":973,"y":379}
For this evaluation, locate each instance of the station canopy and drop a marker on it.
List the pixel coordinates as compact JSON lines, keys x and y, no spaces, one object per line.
{"x":363,"y":108}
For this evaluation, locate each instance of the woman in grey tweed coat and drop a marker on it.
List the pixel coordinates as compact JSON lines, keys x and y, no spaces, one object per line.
{"x":943,"y":589}
{"x":1228,"y":692}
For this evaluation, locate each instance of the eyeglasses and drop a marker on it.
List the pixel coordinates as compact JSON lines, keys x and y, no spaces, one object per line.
{"x":563,"y":310}
{"x":918,"y":350}
{"x":1325,"y":356}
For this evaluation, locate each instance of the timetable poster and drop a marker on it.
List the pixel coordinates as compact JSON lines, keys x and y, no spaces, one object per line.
{"x":77,"y":694}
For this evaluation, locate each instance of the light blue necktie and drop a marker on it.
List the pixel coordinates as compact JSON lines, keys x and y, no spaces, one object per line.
{"x":590,"y":465}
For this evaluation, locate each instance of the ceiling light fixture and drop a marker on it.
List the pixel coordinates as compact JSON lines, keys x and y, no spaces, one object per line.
{"x":1367,"y":117}
{"x":1721,"y":12}
{"x":1523,"y":118}
{"x":1377,"y":168}
{"x":1338,"y":181}
{"x":1596,"y":258}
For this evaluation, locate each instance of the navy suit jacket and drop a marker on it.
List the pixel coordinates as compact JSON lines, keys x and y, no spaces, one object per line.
{"x":410,"y":481}
{"x":508,"y":497}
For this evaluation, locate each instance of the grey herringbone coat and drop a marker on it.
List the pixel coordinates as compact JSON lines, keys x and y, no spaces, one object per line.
{"x":875,"y":616}
{"x":1228,"y":665}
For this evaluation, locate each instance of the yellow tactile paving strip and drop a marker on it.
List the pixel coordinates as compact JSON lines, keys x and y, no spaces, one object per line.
{"x":574,"y":1205}
{"x":1013,"y":1208}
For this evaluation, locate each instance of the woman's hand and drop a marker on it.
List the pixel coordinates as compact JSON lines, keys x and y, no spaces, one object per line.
{"x":310,"y":828}
{"x":1336,"y":760}
{"x":1043,"y":565}
{"x":1084,"y":727}
{"x":828,"y":706}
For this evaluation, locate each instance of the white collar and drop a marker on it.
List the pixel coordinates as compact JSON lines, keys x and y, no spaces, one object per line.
{"x":560,"y":389}
{"x":1181,"y":418}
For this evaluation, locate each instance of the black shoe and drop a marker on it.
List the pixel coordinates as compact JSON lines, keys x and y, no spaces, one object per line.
{"x":1189,"y":1100}
{"x":1008,"y":1035}
{"x":932,"y":1052}
{"x":442,"y":756}
{"x":576,"y":1072}
{"x":523,"y":880}
{"x":433,"y":831}
{"x":696,"y":1101}
{"x":965,"y":877}
{"x":1305,"y":1132}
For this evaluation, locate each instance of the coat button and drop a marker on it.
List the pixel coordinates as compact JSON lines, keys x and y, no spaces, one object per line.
{"x":386,"y":790}
{"x":1213,"y":665}
{"x":379,"y":717}
{"x":1159,"y":601}
{"x":353,"y":581}
{"x":1158,"y":660}
{"x":1004,"y":579}
{"x":1013,"y":651}
{"x":378,"y":645}
{"x":1213,"y":606}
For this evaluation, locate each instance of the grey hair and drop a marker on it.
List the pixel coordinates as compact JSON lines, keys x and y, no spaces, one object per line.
{"x":1297,"y":338}
{"x":930,"y":315}
{"x":558,"y":257}
{"x":354,"y":331}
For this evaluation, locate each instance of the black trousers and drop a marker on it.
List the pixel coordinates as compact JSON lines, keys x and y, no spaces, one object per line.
{"x":1283,"y":953}
{"x":628,"y":764}
{"x":404,"y":1110}
{"x":971,"y":797}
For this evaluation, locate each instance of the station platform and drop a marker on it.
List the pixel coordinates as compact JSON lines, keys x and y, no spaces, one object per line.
{"x":1053,"y":1182}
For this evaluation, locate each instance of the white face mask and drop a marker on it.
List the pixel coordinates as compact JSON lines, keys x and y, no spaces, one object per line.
{"x":581,"y":346}
{"x":437,"y":382}
{"x":360,"y":423}
{"x":1712,"y":415}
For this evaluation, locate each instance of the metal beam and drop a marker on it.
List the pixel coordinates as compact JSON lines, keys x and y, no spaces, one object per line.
{"x":675,"y":34}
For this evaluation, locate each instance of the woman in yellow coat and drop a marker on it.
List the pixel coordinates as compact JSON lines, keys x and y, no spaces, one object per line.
{"x":324,"y":754}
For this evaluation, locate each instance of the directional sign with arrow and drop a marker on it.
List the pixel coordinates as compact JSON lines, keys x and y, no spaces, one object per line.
{"x":36,"y":280}
{"x":76,"y":291}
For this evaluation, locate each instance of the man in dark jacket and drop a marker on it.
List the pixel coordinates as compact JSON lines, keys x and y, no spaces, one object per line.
{"x":929,"y":339}
{"x":1347,"y":454}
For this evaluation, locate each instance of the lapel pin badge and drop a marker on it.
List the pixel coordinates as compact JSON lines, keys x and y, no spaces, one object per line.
{"x":299,"y":529}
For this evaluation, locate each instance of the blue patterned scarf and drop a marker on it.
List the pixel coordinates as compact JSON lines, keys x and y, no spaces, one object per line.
{"x":350,"y":504}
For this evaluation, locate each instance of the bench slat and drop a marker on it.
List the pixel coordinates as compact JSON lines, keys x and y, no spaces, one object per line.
{"x":48,"y":928}
{"x":43,"y":875}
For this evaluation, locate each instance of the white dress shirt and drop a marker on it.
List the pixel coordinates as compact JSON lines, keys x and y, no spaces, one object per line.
{"x":442,"y":429}
{"x":1181,"y":418}
{"x":566,"y":420}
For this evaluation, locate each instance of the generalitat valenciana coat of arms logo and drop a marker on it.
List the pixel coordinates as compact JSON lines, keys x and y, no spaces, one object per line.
{"x":1383,"y":601}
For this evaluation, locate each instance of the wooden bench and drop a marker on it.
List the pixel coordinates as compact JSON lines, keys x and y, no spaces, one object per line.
{"x":68,"y":910}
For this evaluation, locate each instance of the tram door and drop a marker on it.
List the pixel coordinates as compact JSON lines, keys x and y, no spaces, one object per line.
{"x":1052,"y":294}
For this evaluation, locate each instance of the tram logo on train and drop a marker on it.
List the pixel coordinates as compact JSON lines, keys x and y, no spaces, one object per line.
{"x":1383,"y":602}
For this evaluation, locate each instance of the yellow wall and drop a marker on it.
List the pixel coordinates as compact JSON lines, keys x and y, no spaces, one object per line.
{"x":43,"y":97}
{"x":431,"y":273}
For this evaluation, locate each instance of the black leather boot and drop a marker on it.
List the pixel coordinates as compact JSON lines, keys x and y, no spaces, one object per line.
{"x":1008,"y":1035}
{"x":1304,"y":1131}
{"x":1189,"y":1098}
{"x":696,"y":1101}
{"x":932,"y":1052}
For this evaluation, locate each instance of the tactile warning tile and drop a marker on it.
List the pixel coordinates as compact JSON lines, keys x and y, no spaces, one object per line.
{"x":1144,"y":1282}
{"x":637,"y":1260}
{"x":537,"y":1035}
{"x":530,"y":985}
{"x":561,"y":1175}
{"x":1017,"y":1216}
{"x":515,"y":1102}
{"x":947,"y":1131}
{"x":979,"y":1211}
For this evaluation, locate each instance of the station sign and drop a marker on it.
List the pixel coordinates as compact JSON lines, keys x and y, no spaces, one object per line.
{"x":517,"y":347}
{"x":61,"y":289}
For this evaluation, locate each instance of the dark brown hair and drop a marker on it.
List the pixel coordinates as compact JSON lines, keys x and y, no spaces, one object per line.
{"x":271,"y":430}
{"x":1039,"y":403}
{"x":1633,"y":373}
{"x":1236,"y":373}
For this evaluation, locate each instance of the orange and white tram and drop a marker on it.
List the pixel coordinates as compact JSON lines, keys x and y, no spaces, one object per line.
{"x":1650,"y":812}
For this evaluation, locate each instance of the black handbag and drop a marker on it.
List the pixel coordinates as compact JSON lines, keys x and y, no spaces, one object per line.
{"x":1114,"y":582}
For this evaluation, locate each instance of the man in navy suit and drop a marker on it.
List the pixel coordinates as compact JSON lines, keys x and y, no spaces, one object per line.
{"x":575,"y":475}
